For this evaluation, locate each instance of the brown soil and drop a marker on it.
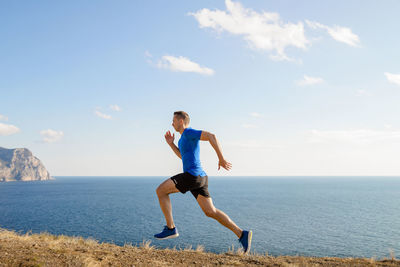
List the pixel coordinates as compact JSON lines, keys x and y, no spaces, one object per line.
{"x":45,"y":249}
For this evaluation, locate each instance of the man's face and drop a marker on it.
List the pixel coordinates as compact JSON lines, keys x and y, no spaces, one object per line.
{"x":175,"y":123}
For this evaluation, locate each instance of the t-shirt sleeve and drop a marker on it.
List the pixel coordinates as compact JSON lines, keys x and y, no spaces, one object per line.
{"x":193,"y":134}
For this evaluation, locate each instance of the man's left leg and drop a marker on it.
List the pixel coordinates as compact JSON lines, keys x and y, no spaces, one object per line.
{"x":208,"y":207}
{"x":211,"y":211}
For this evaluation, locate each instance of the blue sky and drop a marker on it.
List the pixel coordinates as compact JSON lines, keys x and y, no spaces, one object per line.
{"x":288,"y":87}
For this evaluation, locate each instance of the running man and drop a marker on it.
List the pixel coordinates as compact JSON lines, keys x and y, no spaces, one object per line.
{"x":194,"y":179}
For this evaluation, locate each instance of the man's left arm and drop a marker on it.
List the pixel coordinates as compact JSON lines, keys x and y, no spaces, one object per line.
{"x":207,"y":136}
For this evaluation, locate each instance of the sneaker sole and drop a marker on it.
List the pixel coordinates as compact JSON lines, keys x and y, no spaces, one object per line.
{"x":249,"y":241}
{"x":169,"y":237}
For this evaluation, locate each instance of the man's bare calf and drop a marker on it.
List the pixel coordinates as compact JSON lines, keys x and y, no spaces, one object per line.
{"x":211,"y":211}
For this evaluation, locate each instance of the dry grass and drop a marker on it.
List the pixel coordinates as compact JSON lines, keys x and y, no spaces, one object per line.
{"x":146,"y":245}
{"x":45,"y":249}
{"x":391,"y":252}
{"x":199,"y":248}
{"x":238,"y":251}
{"x":188,"y":248}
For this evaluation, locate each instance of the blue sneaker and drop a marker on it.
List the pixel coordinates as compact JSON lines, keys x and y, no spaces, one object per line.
{"x":167,"y":233}
{"x":245,"y":240}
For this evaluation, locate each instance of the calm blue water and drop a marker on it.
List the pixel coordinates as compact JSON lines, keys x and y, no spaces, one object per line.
{"x":324,"y":216}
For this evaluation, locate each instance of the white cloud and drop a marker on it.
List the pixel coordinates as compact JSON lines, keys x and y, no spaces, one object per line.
{"x":3,"y":118}
{"x":393,"y":78}
{"x":263,"y":31}
{"x":102,"y":115}
{"x":245,"y":125}
{"x":148,"y":57}
{"x":357,"y":136}
{"x":115,"y":107}
{"x":307,"y":80}
{"x":51,"y":136}
{"x":361,"y":92}
{"x":255,"y":114}
{"x":388,"y":126}
{"x":183,"y":64}
{"x":340,"y":34}
{"x":8,"y":129}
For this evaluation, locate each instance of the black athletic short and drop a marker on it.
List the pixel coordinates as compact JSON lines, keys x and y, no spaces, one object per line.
{"x":196,"y":184}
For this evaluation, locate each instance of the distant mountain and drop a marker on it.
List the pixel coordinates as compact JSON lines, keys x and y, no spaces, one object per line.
{"x":19,"y":164}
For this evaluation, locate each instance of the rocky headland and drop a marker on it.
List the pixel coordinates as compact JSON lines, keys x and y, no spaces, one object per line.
{"x":20,"y":164}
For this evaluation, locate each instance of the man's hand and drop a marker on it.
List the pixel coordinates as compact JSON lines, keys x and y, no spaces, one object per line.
{"x":169,"y":138}
{"x":224,"y":164}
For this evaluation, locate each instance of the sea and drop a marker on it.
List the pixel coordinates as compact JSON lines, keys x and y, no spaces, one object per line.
{"x":299,"y":215}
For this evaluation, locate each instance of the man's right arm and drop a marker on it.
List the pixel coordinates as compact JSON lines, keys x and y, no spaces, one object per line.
{"x":170,"y":141}
{"x":176,"y":150}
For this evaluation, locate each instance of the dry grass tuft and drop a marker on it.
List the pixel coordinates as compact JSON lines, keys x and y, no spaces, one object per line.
{"x":200,"y":248}
{"x":231,"y":250}
{"x":129,"y":245}
{"x":372,"y":261}
{"x":391,"y":252}
{"x":146,"y":245}
{"x":188,"y":248}
{"x":238,"y":252}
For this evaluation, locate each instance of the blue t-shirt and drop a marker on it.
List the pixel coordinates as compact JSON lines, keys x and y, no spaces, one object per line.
{"x":190,"y":151}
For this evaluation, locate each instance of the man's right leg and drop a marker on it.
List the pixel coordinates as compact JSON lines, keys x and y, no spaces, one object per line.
{"x":163,"y":191}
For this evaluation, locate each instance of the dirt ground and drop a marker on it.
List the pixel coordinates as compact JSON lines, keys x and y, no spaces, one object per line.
{"x":45,"y":249}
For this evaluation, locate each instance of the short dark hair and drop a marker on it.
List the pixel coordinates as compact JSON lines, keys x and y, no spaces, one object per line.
{"x":183,"y":115}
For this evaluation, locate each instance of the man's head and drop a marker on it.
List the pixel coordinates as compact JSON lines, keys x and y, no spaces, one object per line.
{"x":180,"y":121}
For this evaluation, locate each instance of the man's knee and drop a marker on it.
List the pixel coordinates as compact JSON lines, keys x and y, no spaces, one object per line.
{"x":160,"y":191}
{"x":211,"y":213}
{"x":164,"y":189}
